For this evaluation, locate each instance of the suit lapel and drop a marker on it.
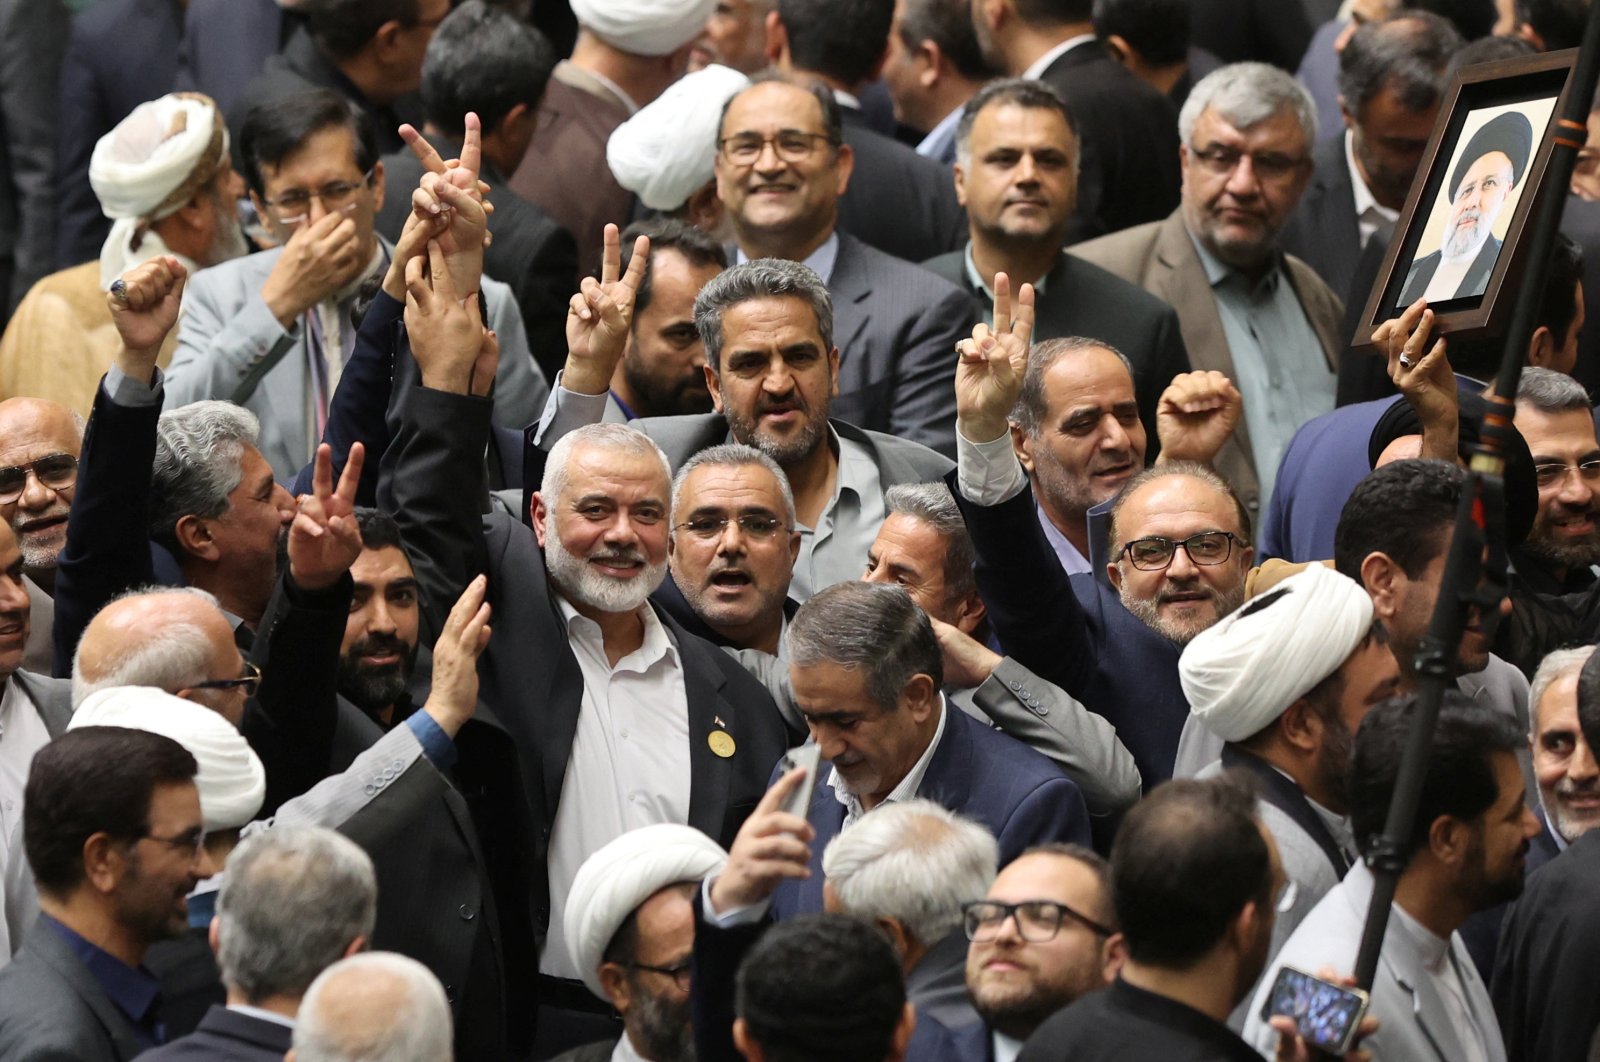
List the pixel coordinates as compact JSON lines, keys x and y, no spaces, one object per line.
{"x":52,"y":699}
{"x":47,"y":946}
{"x":850,"y":286}
{"x":1433,"y":1018}
{"x":948,"y":780}
{"x":709,"y":714}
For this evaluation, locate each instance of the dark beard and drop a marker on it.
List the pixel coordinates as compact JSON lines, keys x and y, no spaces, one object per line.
{"x":373,"y":689}
{"x":662,"y":1026}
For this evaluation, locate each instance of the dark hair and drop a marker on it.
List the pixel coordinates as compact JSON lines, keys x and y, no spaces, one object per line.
{"x":1157,"y":29}
{"x":343,"y":27}
{"x":275,"y":129}
{"x":483,"y":59}
{"x":821,"y":986}
{"x":1473,"y":19}
{"x":1090,"y":860}
{"x":1589,"y":700}
{"x":841,"y":39}
{"x":1487,"y":50}
{"x":1029,"y":94}
{"x":872,"y":627}
{"x":1400,"y":510}
{"x":947,"y":23}
{"x":1408,"y":53}
{"x":1559,"y":23}
{"x":1460,"y":779}
{"x":96,"y":779}
{"x":1185,"y":862}
{"x":378,"y":529}
{"x":696,"y":245}
{"x":1053,"y":12}
{"x":832,"y":113}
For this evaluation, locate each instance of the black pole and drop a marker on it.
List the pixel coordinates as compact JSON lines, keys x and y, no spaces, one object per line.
{"x":1470,"y":577}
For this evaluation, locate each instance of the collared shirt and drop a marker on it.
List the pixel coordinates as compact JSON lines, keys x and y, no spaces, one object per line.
{"x":624,"y":1051}
{"x":1338,"y":827}
{"x":835,"y":551}
{"x":133,"y":990}
{"x":940,"y":143}
{"x":1072,"y":561}
{"x":900,"y":793}
{"x":262,"y":1015}
{"x":22,"y":733}
{"x":1371,"y":217}
{"x":978,"y":281}
{"x":629,"y":765}
{"x":1440,"y":963}
{"x":1006,"y":1049}
{"x":1278,"y":361}
{"x":820,"y":261}
{"x":1041,"y":64}
{"x":989,"y":473}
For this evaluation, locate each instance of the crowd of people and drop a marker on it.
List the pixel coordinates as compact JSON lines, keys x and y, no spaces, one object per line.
{"x":700,"y":530}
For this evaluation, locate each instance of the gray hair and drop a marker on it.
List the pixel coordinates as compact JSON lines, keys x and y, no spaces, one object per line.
{"x":199,"y":452}
{"x":1245,"y":95}
{"x":411,"y":1024}
{"x":915,"y":862}
{"x":871,"y":627}
{"x":621,"y":438}
{"x":1550,"y":392}
{"x":1033,"y":408}
{"x":174,"y":656}
{"x":733,"y":455}
{"x":763,"y":278}
{"x":293,"y":901}
{"x":1554,"y":666}
{"x":931,"y":504}
{"x":1409,"y":53}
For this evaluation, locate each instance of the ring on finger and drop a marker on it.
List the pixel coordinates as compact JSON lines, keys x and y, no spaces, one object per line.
{"x":119,"y":291}
{"x":1405,"y":361}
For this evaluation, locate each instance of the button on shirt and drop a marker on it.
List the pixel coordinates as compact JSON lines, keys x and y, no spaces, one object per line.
{"x":904,"y":791}
{"x":629,"y":765}
{"x":1370,"y":217}
{"x":1278,"y":362}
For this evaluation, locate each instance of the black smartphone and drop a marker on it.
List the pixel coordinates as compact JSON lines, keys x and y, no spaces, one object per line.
{"x":1326,"y":1014}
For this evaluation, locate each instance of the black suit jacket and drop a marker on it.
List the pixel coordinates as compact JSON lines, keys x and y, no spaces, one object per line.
{"x":52,"y":1009}
{"x":1476,"y":279}
{"x":227,"y":42}
{"x":1267,"y":31}
{"x":1081,"y":299}
{"x":1323,"y":231}
{"x":1128,"y":142}
{"x":33,"y":36}
{"x":529,"y":676}
{"x":227,"y":1036}
{"x":898,"y":201}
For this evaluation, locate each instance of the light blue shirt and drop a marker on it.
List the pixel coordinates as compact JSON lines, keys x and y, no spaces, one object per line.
{"x":940,"y":143}
{"x":1278,"y":362}
{"x":820,"y":261}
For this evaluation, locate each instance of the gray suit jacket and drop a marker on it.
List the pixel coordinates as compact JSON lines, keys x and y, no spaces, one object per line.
{"x":1160,"y":257}
{"x":53,"y":1010}
{"x":1414,"y":1023}
{"x":226,"y":331}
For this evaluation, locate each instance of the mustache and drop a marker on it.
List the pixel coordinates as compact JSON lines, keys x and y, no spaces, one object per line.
{"x":781,"y":405}
{"x":380,"y":645}
{"x":1568,"y":788}
{"x":630,"y":555}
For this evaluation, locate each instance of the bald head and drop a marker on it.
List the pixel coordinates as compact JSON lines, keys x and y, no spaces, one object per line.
{"x":173,"y":640}
{"x":375,"y":1005}
{"x":37,"y":430}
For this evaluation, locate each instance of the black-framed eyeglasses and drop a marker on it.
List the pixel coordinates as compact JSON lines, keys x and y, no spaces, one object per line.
{"x":1547,"y":475}
{"x":189,"y":842}
{"x":1267,"y":165}
{"x":680,"y":973}
{"x":1037,"y":920}
{"x":756,"y":525}
{"x":333,"y":195}
{"x":250,"y":680}
{"x":56,"y":471}
{"x":1154,"y":554}
{"x":790,"y":145}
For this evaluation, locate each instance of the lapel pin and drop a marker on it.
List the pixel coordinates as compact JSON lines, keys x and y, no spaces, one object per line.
{"x":721,"y":743}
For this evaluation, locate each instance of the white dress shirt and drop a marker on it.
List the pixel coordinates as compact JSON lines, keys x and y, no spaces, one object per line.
{"x":1371,"y":217}
{"x":1041,"y":64}
{"x":902,"y":792}
{"x":1441,"y":965}
{"x":22,"y":733}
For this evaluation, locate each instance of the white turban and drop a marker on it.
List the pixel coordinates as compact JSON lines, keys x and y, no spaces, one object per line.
{"x":644,"y":27}
{"x":665,"y":152}
{"x":157,"y":159}
{"x":1244,"y":671}
{"x":615,"y":880}
{"x":231,"y":781}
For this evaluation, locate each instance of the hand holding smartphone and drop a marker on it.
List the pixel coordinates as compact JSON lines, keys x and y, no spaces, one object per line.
{"x":809,"y":755}
{"x":1325,"y":1014}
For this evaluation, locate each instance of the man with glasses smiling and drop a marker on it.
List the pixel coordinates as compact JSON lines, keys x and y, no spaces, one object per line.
{"x":39,"y":445}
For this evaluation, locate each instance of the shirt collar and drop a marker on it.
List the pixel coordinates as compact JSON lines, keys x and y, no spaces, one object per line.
{"x":624,"y":1051}
{"x":820,"y":261}
{"x":1041,"y":64}
{"x":655,"y":647}
{"x":1219,"y":272}
{"x":908,"y":786}
{"x":1006,"y":1049}
{"x":941,"y":134}
{"x":1363,"y":194}
{"x":262,"y":1015}
{"x":978,"y":282}
{"x":847,"y":99}
{"x":132,"y":989}
{"x":1432,"y":949}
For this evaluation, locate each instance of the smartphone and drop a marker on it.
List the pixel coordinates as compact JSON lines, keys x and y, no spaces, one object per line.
{"x":808,"y":756}
{"x":1326,"y":1014}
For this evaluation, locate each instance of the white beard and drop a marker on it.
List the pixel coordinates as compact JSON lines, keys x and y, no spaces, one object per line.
{"x":580,"y":582}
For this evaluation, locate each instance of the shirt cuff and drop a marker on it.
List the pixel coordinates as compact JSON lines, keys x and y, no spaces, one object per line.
{"x":988,"y":473}
{"x":436,"y":744}
{"x":124,"y":390}
{"x":566,"y":411}
{"x":747,"y":915}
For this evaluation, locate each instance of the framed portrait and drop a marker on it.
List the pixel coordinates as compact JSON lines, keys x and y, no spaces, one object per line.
{"x":1457,"y":240}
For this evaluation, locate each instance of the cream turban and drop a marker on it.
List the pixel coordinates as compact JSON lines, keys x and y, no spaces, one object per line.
{"x":625,"y":873}
{"x":644,"y":27}
{"x":231,"y":781}
{"x":1245,"y":670}
{"x":156,"y":160}
{"x":665,"y":153}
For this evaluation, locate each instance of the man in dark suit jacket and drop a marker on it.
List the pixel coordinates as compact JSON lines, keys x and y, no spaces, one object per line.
{"x":1128,"y":130}
{"x":33,"y":36}
{"x":226,"y":43}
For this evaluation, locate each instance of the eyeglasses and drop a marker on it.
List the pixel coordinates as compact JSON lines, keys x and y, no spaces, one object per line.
{"x":1267,"y":166}
{"x":1155,"y":554}
{"x":189,"y":842}
{"x":756,"y":525}
{"x":680,"y":973}
{"x":790,"y":145}
{"x":250,"y":680}
{"x":332,"y":196}
{"x":1548,"y":475}
{"x":56,"y":471}
{"x":1037,"y":920}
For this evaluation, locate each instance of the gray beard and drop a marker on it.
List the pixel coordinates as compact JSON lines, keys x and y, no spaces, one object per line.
{"x":585,"y":586}
{"x":661,"y":1030}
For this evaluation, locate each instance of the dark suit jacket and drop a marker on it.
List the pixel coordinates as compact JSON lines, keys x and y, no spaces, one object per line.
{"x":1124,"y":1023}
{"x":529,"y":676}
{"x":1474,"y":283}
{"x":1074,"y":631}
{"x":1323,"y":231}
{"x":896,"y":327}
{"x":531,"y":253}
{"x":226,"y":43}
{"x":595,"y":1052}
{"x":1267,"y":31}
{"x":1128,"y":142}
{"x":1081,"y":299}
{"x":976,"y":771}
{"x":227,"y":1036}
{"x":898,"y":201}
{"x":52,"y":1009}
{"x":33,"y":36}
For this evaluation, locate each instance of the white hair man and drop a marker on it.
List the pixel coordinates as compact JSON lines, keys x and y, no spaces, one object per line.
{"x":374,"y":1005}
{"x":1563,"y":762}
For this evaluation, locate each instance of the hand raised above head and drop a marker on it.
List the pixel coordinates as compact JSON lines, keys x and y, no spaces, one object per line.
{"x":600,"y":316}
{"x":325,"y":539}
{"x":144,"y":305}
{"x":993,"y":362}
{"x":1196,"y":415}
{"x":453,"y":696}
{"x":443,"y":324}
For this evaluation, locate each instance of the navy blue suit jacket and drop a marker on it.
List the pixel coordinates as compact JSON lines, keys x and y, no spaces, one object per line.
{"x":1022,"y":798}
{"x":1320,"y":469}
